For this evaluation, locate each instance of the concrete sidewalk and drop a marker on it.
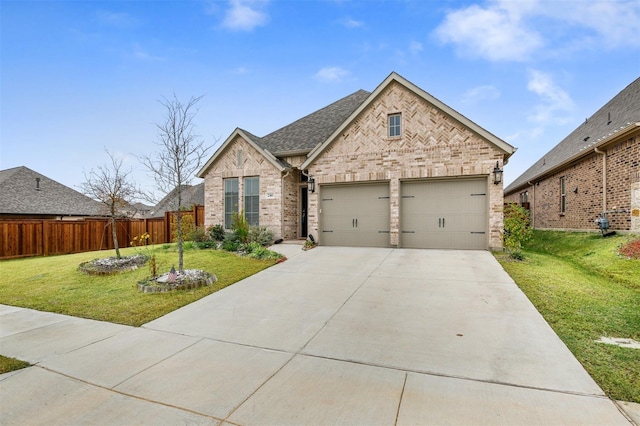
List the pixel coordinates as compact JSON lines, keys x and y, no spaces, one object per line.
{"x":333,"y":335}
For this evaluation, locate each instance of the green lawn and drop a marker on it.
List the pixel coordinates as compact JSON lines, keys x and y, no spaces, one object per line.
{"x":54,"y":284}
{"x":585,"y":290}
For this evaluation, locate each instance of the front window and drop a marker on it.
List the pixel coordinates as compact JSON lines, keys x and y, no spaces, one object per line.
{"x":563,"y":195}
{"x":252,"y":200}
{"x":394,"y":125}
{"x":230,"y":200}
{"x":524,"y":197}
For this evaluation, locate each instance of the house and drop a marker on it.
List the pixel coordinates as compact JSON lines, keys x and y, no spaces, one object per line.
{"x":392,"y":168}
{"x":192,"y":195}
{"x":26,"y":194}
{"x":593,"y":171}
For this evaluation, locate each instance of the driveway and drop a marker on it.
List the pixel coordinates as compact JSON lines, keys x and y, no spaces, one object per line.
{"x":331,"y":336}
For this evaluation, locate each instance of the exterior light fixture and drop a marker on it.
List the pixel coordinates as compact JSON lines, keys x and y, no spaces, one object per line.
{"x":311,"y":184}
{"x":497,"y":174}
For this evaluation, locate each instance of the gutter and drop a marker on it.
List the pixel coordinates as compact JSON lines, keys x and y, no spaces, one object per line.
{"x":604,"y":177}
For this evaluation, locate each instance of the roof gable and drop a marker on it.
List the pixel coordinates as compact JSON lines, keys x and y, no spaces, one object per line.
{"x":23,"y":191}
{"x":620,"y":113}
{"x":251,"y":140}
{"x":394,"y":77}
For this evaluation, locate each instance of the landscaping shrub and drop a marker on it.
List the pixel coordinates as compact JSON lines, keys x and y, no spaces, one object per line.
{"x":240,"y":226}
{"x":231,"y":242}
{"x":188,"y":227}
{"x":197,"y":234}
{"x":216,"y":232}
{"x":261,"y":235}
{"x":517,"y":230}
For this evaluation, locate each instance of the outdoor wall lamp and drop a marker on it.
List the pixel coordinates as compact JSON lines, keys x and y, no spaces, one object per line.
{"x":311,"y":184}
{"x":497,"y":174}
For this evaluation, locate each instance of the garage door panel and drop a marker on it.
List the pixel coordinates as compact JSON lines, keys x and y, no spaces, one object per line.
{"x":355,"y":215}
{"x":444,"y":214}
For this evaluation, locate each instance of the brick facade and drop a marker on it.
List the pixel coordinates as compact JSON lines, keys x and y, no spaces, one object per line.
{"x":584,"y":183}
{"x":432,"y":145}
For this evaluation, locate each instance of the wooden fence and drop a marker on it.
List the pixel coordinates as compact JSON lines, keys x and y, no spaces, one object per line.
{"x":36,"y":237}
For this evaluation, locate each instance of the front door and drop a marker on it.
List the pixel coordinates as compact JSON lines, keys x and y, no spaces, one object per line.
{"x":304,"y":206}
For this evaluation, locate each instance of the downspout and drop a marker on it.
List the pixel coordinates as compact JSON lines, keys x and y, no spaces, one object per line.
{"x":604,"y":177}
{"x":282,"y":199}
{"x":532,"y":209}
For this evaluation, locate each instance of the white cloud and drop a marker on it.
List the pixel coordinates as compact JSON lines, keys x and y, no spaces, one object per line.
{"x":352,"y":23}
{"x":507,"y":30}
{"x":245,"y":15}
{"x":481,"y":93}
{"x":415,"y":47}
{"x":140,"y":53}
{"x":493,"y":33}
{"x":555,"y":102}
{"x":331,"y":74}
{"x":116,"y":19}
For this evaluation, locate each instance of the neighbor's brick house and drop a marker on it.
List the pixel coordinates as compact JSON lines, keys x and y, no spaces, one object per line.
{"x":594,"y":170}
{"x":392,"y":168}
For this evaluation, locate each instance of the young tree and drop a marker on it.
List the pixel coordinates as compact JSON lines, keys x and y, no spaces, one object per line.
{"x":113,"y":187}
{"x":181,"y":154}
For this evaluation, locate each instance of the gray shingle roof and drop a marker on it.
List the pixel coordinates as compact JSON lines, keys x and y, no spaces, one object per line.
{"x":619,"y":112}
{"x":191,"y":195}
{"x":19,"y":194}
{"x":307,"y":132}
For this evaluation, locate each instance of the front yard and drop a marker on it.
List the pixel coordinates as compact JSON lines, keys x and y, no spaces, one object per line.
{"x":586,"y":290}
{"x":54,"y":284}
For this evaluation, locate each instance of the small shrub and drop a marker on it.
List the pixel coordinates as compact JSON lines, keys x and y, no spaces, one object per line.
{"x":153,"y":266}
{"x":166,"y":247}
{"x":197,"y":234}
{"x":517,"y":230}
{"x":240,"y":226}
{"x":207,"y":244}
{"x":216,"y":232}
{"x":188,"y":227}
{"x":189,"y":245}
{"x":260,"y":252}
{"x":261,"y":235}
{"x":231,"y":242}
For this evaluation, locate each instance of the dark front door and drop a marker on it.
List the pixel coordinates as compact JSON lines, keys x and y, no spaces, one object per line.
{"x":304,"y":206}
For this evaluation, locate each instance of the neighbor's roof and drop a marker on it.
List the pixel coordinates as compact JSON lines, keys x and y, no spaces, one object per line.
{"x":21,"y":194}
{"x":617,"y":115}
{"x":191,"y":195}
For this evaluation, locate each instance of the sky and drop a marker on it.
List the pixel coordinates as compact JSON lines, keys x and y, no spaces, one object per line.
{"x":80,"y":78}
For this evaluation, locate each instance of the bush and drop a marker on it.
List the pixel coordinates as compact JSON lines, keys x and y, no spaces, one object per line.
{"x":231,"y":242}
{"x":188,"y":227}
{"x":196,"y":234}
{"x":517,"y":230}
{"x":216,"y":232}
{"x":240,"y":226}
{"x":261,"y":235}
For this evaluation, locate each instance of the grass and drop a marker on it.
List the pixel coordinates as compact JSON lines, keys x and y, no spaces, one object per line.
{"x":585,"y":290}
{"x":54,"y":284}
{"x":10,"y":364}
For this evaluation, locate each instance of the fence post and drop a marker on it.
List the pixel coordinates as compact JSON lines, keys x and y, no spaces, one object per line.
{"x":45,"y":237}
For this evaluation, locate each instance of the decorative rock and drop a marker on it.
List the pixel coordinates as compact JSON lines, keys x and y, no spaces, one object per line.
{"x":189,"y":279}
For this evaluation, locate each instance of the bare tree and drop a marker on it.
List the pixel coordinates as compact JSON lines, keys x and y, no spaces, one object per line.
{"x":113,"y":187}
{"x":181,"y":154}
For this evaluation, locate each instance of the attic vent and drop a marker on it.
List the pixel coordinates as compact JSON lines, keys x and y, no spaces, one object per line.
{"x":586,"y":139}
{"x":608,"y":118}
{"x":37,"y":184}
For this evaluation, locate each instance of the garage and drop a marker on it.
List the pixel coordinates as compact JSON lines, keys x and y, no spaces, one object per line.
{"x":444,"y":214}
{"x":355,"y":215}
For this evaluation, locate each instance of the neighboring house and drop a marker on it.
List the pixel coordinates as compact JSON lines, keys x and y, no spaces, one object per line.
{"x":594,"y":170}
{"x":391,"y":168}
{"x":192,"y":195}
{"x":25,"y":194}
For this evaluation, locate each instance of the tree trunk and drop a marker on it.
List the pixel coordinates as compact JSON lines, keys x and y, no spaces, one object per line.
{"x":180,"y":249}
{"x":114,"y":233}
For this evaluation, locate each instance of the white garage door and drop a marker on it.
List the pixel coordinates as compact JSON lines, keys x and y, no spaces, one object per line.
{"x":450,"y":214}
{"x":355,"y":215}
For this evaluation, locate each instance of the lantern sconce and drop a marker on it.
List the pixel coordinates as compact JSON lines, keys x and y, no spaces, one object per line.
{"x":497,"y":174}
{"x":311,"y":184}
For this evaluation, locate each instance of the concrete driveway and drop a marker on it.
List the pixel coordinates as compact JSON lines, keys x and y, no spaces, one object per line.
{"x":357,"y":336}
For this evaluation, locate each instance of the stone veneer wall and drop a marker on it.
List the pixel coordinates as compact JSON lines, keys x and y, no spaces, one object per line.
{"x":241,"y":160}
{"x":584,"y":198}
{"x":432,"y":145}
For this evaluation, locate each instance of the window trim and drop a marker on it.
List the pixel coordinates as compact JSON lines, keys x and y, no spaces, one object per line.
{"x":228,"y":214}
{"x":253,"y":217}
{"x":563,"y":195}
{"x":396,"y":127}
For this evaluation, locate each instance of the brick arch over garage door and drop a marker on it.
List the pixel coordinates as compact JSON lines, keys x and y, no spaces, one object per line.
{"x":444,"y":214}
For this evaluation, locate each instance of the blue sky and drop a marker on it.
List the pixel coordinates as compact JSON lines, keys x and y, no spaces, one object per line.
{"x":81,"y":76}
